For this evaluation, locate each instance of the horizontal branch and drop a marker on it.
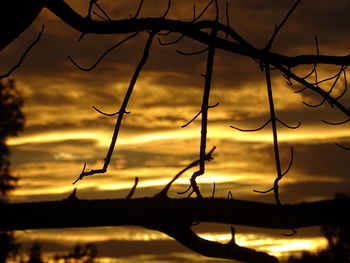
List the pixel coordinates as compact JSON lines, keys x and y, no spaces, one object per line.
{"x":155,"y":211}
{"x":189,"y":29}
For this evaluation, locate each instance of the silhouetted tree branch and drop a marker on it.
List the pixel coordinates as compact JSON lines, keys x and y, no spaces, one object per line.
{"x":175,"y":217}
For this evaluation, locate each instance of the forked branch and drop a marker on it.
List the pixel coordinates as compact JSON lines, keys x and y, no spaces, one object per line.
{"x":122,"y":110}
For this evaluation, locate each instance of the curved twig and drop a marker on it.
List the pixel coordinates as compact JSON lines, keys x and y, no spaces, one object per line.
{"x":109,"y":114}
{"x":167,"y":9}
{"x":278,"y":28}
{"x":289,"y":126}
{"x":315,"y":105}
{"x":163,"y":193}
{"x":171,"y":42}
{"x":263,"y":192}
{"x":103,"y":55}
{"x":192,"y":53}
{"x":132,"y":190}
{"x":343,"y":147}
{"x":290,"y":162}
{"x":24,"y":55}
{"x":203,"y":11}
{"x":294,"y":231}
{"x":138,"y":10}
{"x":103,"y":11}
{"x":199,"y":113}
{"x":336,"y":123}
{"x":252,"y":130}
{"x":345,"y":87}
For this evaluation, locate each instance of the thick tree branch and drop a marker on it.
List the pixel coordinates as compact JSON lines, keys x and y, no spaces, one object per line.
{"x":189,"y":29}
{"x":156,"y":211}
{"x":186,"y":237}
{"x":174,"y":218}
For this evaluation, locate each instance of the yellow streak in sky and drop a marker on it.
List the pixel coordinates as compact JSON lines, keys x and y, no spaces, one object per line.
{"x":216,"y":132}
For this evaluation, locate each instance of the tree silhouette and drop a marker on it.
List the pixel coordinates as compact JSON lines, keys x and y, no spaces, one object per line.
{"x":338,"y":250}
{"x":11,"y":122}
{"x":35,"y":253}
{"x":175,"y":217}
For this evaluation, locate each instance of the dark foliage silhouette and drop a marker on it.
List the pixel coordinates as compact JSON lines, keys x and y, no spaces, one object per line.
{"x":11,"y":122}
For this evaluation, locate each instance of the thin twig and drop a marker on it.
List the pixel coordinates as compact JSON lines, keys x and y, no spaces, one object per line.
{"x":108,"y":114}
{"x":336,"y":123}
{"x":314,"y":105}
{"x":25,"y":53}
{"x":251,"y":130}
{"x":132,"y":190}
{"x":294,"y":231}
{"x":342,"y":146}
{"x":290,"y":162}
{"x":203,"y":11}
{"x":213,"y":193}
{"x":167,"y":9}
{"x":123,"y":109}
{"x":192,"y":53}
{"x":278,"y":28}
{"x":164,"y":192}
{"x":138,"y":10}
{"x":103,"y":11}
{"x":103,"y":55}
{"x":171,"y":42}
{"x":199,"y":113}
{"x":289,"y":126}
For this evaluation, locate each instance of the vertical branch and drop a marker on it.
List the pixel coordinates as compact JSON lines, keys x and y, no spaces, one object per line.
{"x":122,"y":110}
{"x":274,"y":132}
{"x":127,"y":97}
{"x":204,"y":110}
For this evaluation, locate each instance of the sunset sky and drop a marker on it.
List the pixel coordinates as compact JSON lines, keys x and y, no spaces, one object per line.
{"x":63,"y":131}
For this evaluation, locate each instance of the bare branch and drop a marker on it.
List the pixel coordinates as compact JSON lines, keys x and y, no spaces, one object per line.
{"x":199,"y":113}
{"x":229,"y":195}
{"x":103,"y":55}
{"x":315,"y":105}
{"x":336,"y":123}
{"x":163,"y":193}
{"x":252,"y":130}
{"x":278,"y":28}
{"x":186,"y":237}
{"x":25,"y":53}
{"x":290,"y":162}
{"x":138,"y":10}
{"x":171,"y":42}
{"x":109,"y":114}
{"x":294,"y":231}
{"x":315,"y":89}
{"x":342,"y":146}
{"x":204,"y":115}
{"x":289,"y":126}
{"x":123,"y":109}
{"x":103,"y":11}
{"x":132,"y":191}
{"x":192,"y":53}
{"x":167,"y":9}
{"x":202,"y":12}
{"x":263,"y":192}
{"x":274,"y":133}
{"x":213,"y":193}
